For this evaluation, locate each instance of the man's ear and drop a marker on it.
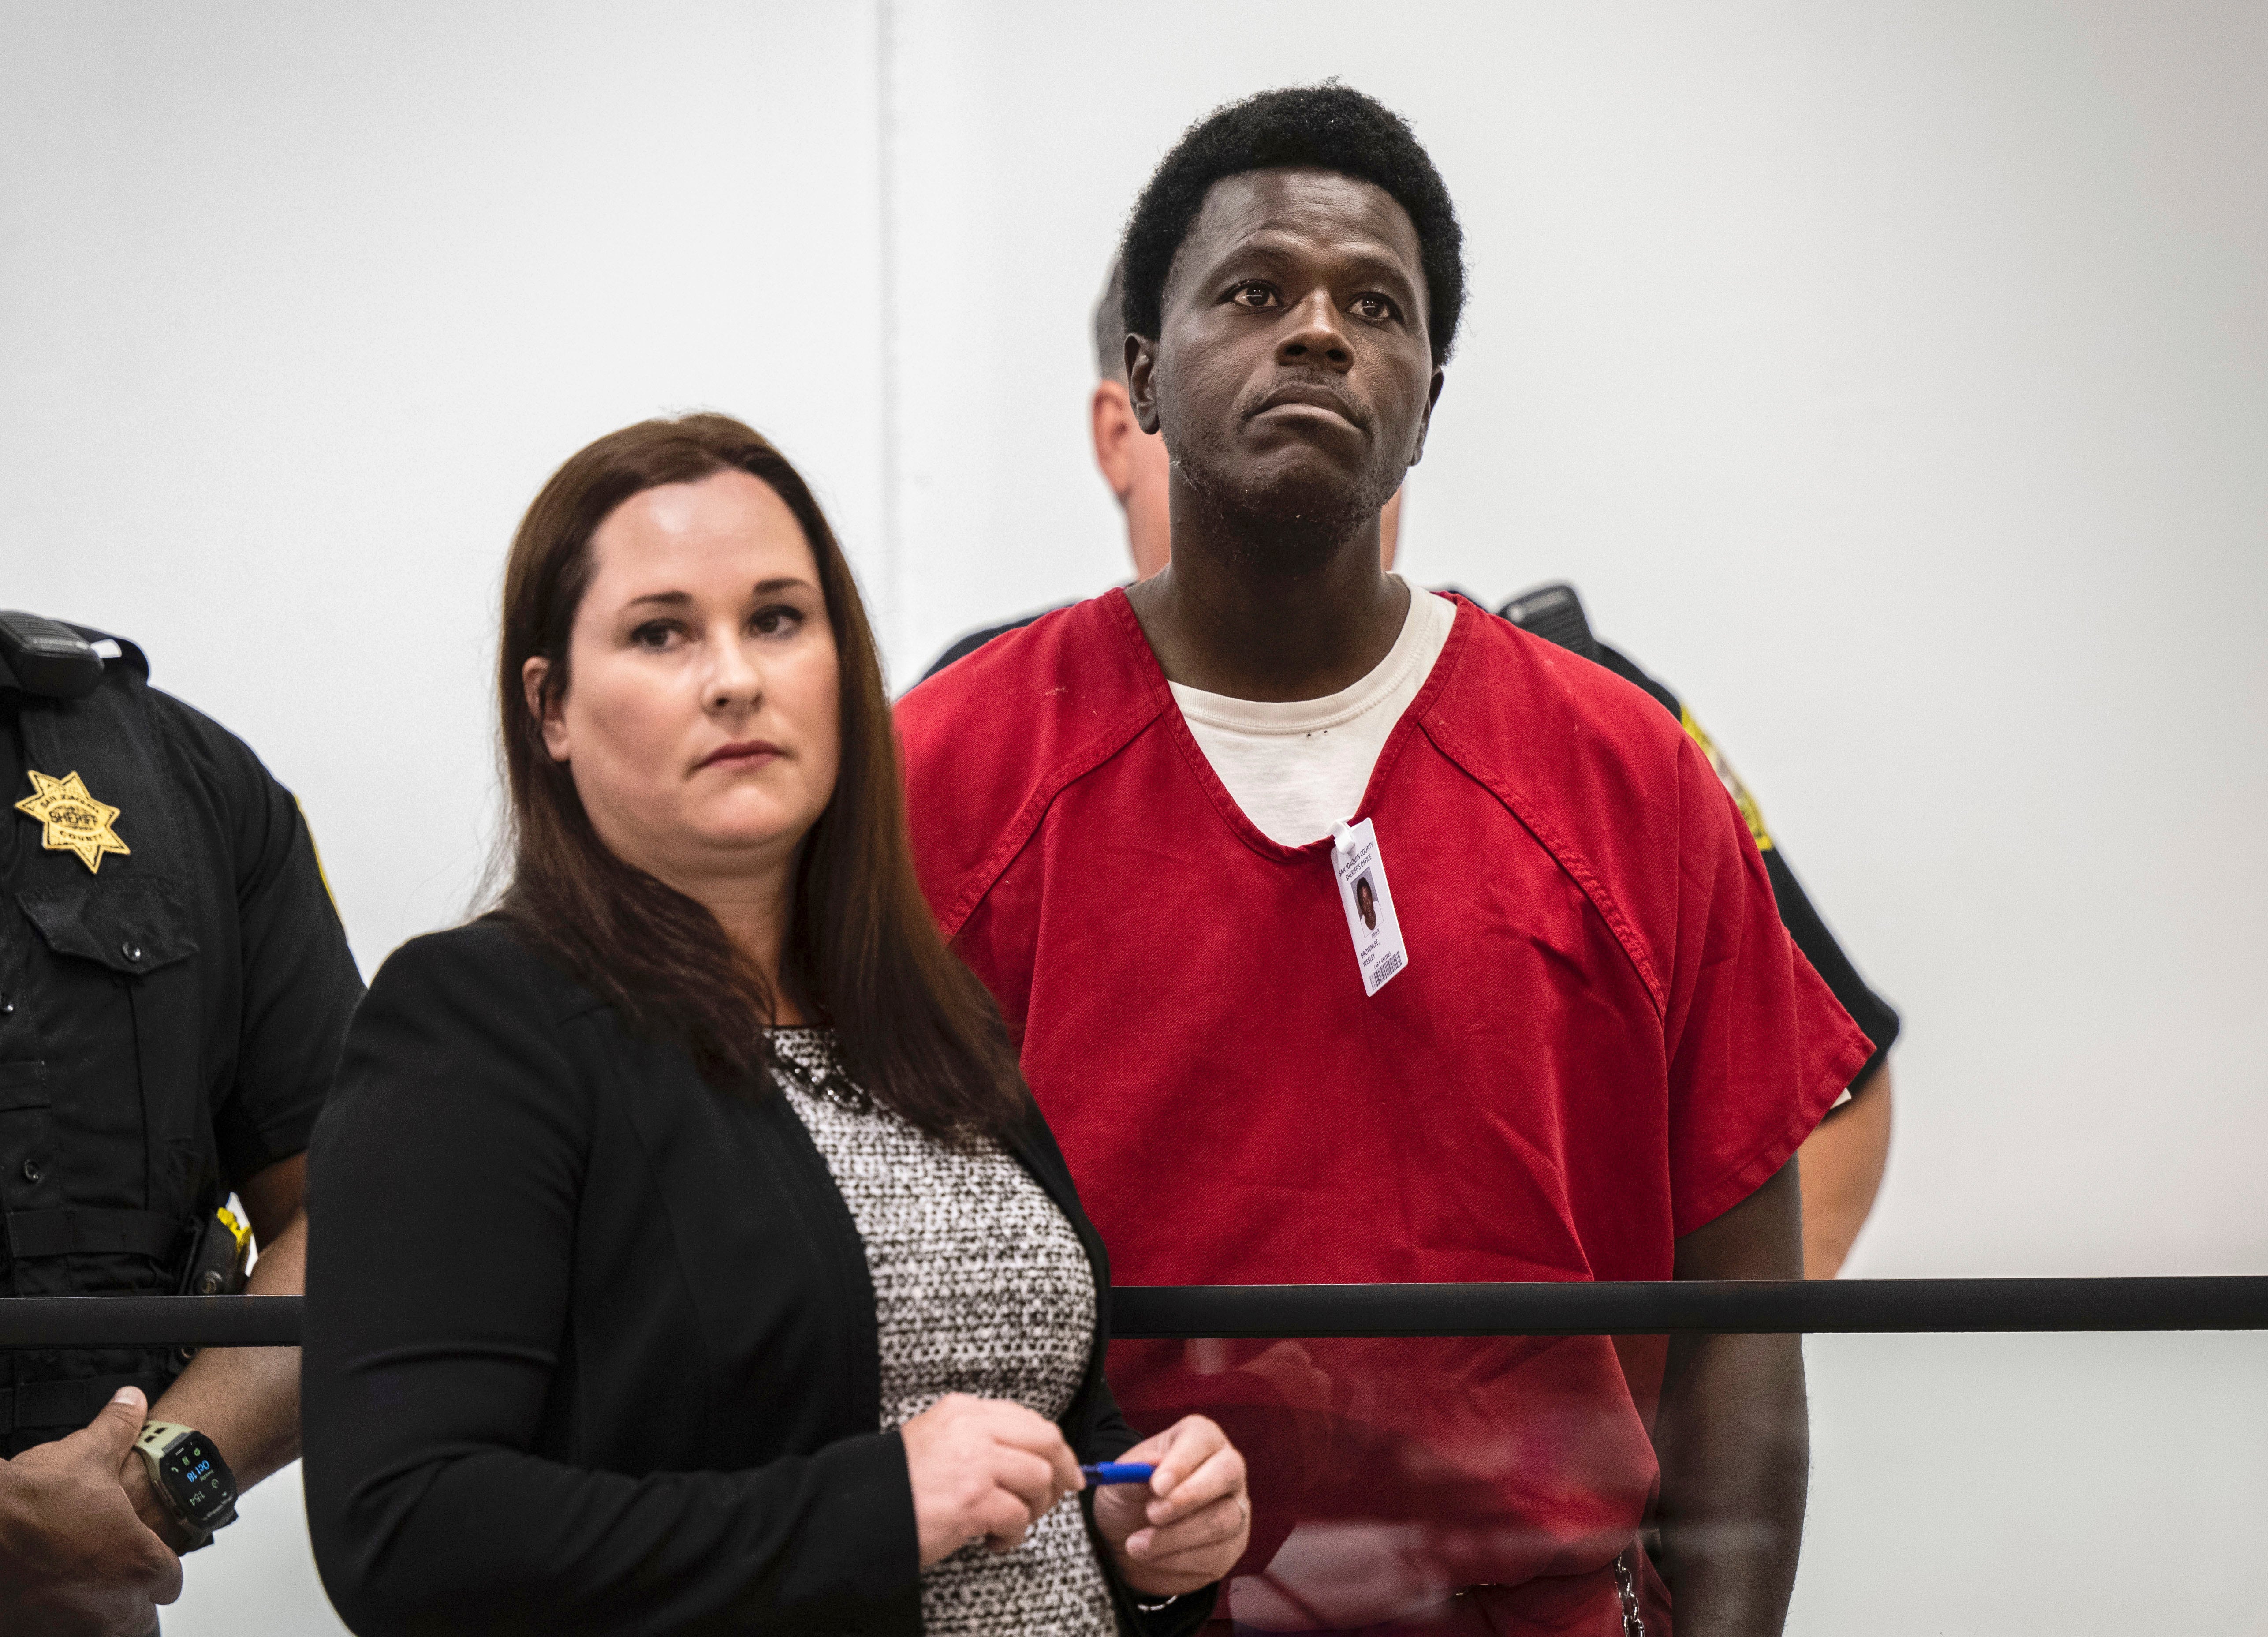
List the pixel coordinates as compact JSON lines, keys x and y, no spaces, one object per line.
{"x":544,"y":706}
{"x":1426,"y":421}
{"x":1111,"y":415}
{"x":1141,"y":363}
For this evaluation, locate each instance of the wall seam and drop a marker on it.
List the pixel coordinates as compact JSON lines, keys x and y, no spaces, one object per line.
{"x":888,"y":568}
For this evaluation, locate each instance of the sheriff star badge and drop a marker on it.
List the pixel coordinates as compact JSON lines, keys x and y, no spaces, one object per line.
{"x":74,"y":821}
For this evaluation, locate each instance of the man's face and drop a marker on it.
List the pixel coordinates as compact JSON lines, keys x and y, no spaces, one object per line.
{"x":1292,"y":377}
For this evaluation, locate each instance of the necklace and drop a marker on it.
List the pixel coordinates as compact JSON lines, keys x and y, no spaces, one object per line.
{"x":807,"y":1057}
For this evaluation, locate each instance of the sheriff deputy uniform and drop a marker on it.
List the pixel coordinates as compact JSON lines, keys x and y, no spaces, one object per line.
{"x":174,"y":985}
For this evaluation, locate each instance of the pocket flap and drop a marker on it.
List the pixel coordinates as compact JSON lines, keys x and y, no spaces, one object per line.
{"x":24,"y":1084}
{"x":130,"y":926}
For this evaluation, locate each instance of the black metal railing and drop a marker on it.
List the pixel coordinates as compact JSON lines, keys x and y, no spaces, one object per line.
{"x":1573,"y":1308}
{"x":1576,"y":1308}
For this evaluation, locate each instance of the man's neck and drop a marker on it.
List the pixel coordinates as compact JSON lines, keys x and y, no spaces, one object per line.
{"x":1226,"y":617}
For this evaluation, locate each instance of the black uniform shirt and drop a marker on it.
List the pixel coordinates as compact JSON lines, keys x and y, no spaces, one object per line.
{"x":1869,"y":1011}
{"x":169,"y":1019}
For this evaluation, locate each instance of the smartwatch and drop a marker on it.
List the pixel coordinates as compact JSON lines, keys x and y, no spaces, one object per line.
{"x":190,"y":1478}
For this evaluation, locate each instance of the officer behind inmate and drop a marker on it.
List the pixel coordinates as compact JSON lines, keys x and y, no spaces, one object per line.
{"x":174,"y":984}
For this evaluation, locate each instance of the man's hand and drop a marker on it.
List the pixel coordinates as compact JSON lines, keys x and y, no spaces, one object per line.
{"x":75,"y":1560}
{"x":1186,"y":1527}
{"x":141,"y":1495}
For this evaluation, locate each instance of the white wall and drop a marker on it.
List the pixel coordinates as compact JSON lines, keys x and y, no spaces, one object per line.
{"x":1894,"y":380}
{"x":302,"y":303}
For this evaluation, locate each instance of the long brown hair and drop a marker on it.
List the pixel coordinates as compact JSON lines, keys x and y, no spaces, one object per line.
{"x":916,"y":1028}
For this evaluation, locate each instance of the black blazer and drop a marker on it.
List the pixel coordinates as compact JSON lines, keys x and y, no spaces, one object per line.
{"x":591,"y":1346}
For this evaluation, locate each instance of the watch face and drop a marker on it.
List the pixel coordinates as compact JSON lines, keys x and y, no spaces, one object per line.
{"x":198,"y":1479}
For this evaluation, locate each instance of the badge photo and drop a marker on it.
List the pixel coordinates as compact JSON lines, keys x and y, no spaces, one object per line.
{"x":1379,"y":951}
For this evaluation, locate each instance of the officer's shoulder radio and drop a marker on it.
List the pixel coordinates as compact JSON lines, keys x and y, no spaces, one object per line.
{"x":1554,"y":613}
{"x":47,"y":657}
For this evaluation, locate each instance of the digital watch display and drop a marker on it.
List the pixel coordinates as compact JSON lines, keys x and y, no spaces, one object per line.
{"x":190,"y":1478}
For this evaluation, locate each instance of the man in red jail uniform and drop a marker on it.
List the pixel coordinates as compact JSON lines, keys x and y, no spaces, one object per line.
{"x":1572,"y":1039}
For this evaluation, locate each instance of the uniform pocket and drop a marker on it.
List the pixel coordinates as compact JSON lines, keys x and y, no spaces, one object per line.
{"x":130,"y":926}
{"x":24,"y":1084}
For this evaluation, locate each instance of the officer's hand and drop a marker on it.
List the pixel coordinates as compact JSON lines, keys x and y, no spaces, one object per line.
{"x":1187,"y":1526}
{"x":75,"y":1560}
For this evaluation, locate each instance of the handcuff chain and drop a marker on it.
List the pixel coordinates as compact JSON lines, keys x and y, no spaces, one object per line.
{"x":1626,"y":1585}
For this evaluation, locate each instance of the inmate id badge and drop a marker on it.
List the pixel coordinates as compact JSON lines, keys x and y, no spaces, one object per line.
{"x":1369,"y":904}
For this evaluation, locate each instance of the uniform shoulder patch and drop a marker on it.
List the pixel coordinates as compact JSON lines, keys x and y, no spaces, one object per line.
{"x":1751,"y":813}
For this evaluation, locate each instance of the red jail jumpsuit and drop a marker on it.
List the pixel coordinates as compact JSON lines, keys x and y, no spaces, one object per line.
{"x":1602,"y":1040}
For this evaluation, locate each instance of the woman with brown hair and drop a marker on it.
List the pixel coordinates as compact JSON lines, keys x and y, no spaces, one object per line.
{"x":686,"y":1254}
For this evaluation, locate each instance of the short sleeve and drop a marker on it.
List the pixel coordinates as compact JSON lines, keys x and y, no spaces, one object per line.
{"x":298,"y":982}
{"x":1758,"y":1046}
{"x":1876,"y":1018}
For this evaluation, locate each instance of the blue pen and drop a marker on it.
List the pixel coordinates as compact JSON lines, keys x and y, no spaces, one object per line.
{"x":1118,"y":1472}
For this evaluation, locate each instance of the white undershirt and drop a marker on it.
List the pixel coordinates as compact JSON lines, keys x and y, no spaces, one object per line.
{"x":1299,"y":766}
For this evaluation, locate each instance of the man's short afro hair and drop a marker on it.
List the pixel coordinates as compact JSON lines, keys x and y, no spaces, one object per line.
{"x":1326,"y":128}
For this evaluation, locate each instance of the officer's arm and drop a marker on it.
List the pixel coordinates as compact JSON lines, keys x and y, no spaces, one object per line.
{"x":1734,"y":1436}
{"x":245,"y":1399}
{"x":299,"y":987}
{"x":1843,"y":1162}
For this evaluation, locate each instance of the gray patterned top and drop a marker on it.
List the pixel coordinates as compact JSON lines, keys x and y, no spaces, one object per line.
{"x":980,"y":1287}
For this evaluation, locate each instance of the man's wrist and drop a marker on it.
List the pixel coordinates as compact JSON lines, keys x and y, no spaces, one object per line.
{"x":150,"y":1506}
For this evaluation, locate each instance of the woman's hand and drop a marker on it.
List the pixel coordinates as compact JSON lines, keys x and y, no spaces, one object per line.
{"x":984,"y":1469}
{"x":1187,"y":1527}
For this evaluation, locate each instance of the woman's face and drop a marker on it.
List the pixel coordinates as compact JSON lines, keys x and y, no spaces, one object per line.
{"x":702,"y":719}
